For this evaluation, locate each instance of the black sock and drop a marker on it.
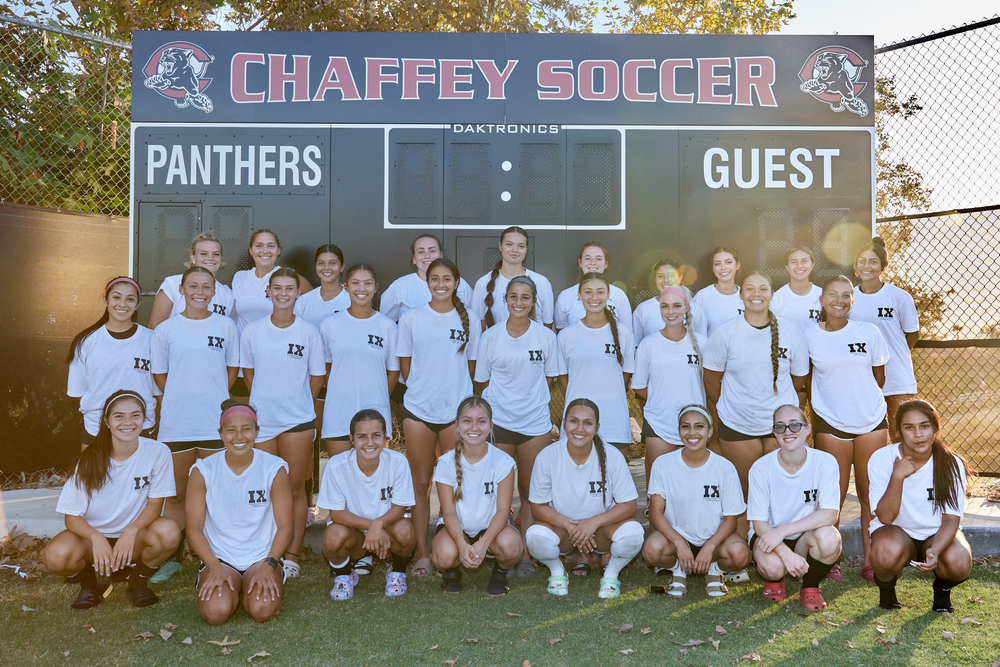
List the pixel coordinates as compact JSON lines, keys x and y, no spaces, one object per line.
{"x":887,"y":594}
{"x":399,"y":563}
{"x":140,"y":575}
{"x":942,"y":593}
{"x":497,"y":570}
{"x":344,"y":569}
{"x":87,"y":577}
{"x":816,"y":573}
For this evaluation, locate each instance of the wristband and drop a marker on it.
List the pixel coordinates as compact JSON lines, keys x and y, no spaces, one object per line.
{"x":272,"y":562}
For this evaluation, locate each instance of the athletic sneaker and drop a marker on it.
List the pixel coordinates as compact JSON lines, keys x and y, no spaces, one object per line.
{"x":167,"y":570}
{"x":395,"y":584}
{"x":343,"y":587}
{"x":363,"y":566}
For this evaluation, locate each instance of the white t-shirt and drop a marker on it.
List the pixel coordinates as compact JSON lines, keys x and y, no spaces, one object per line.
{"x":411,"y":292}
{"x":517,"y":370}
{"x":195,"y":355}
{"x":570,"y":309}
{"x":892,"y":310}
{"x":222,"y":302}
{"x":697,"y":500}
{"x":711,"y":309}
{"x":575,"y":490}
{"x":802,"y":310}
{"x":646,"y":319}
{"x":250,"y":293}
{"x":103,"y":365}
{"x":543,"y":305}
{"x":283,"y":360}
{"x":743,"y":353}
{"x":844,"y":391}
{"x":917,"y":515}
{"x":439,"y":374}
{"x":239,"y":519}
{"x":587,"y":356}
{"x":359,"y":353}
{"x":345,"y":487}
{"x":779,"y":498}
{"x":671,"y":373}
{"x":313,"y":309}
{"x":479,"y":486}
{"x":148,"y":473}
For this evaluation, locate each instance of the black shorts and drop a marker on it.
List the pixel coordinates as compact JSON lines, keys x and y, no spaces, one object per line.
{"x":202,"y":566}
{"x":398,"y":392}
{"x":321,"y":396}
{"x":472,"y":538}
{"x":437,"y":428}
{"x":620,"y":446}
{"x":821,"y":426}
{"x":788,"y":543}
{"x":180,"y":447}
{"x":507,"y":437}
{"x":648,"y":432}
{"x":239,"y":388}
{"x":729,"y":435}
{"x":307,"y":426}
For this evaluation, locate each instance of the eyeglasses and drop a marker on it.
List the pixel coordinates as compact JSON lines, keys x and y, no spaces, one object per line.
{"x":794,"y":427}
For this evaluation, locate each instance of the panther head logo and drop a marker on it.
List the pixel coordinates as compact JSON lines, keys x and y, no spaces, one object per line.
{"x":833,"y":75}
{"x":177,"y":70}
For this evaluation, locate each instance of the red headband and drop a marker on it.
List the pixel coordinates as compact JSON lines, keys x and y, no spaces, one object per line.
{"x":124,"y":279}
{"x":675,"y":290}
{"x":237,"y":411}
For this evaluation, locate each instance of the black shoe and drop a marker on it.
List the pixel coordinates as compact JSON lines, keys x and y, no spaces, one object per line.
{"x":91,"y":597}
{"x":498,"y":582}
{"x":141,"y":596}
{"x":451,"y":581}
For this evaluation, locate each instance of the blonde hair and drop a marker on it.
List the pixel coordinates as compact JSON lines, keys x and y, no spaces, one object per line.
{"x":202,"y":238}
{"x":470,"y":402}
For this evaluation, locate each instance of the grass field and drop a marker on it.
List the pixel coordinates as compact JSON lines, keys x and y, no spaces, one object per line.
{"x":429,"y":627}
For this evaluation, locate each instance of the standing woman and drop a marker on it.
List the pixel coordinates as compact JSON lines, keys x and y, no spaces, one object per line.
{"x":517,"y":362}
{"x":798,"y":301}
{"x":593,"y":259}
{"x":892,"y":310}
{"x":195,"y":378}
{"x":362,"y":366}
{"x":596,"y":360}
{"x":848,"y":360}
{"x":668,"y":375}
{"x":284,"y":367}
{"x":411,"y":291}
{"x":474,"y":522}
{"x":239,"y":542}
{"x":206,"y":252}
{"x":583,"y":496}
{"x":918,"y":497}
{"x":717,"y":304}
{"x":646,"y":319}
{"x":112,"y":353}
{"x":112,"y":503}
{"x":437,"y":350}
{"x":487,"y":302}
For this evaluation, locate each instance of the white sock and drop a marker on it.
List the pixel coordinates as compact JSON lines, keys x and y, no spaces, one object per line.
{"x":714,"y":569}
{"x":543,"y":545}
{"x":626,"y":543}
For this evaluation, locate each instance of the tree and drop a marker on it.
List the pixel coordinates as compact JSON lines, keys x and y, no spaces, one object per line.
{"x":721,"y":17}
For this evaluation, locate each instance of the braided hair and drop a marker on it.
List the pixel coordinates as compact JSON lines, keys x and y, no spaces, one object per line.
{"x":772,"y":322}
{"x":491,"y":285}
{"x":608,"y":315}
{"x":947,"y":477}
{"x":688,"y":319}
{"x":455,"y":301}
{"x":470,"y":402}
{"x":827,"y":283}
{"x":602,"y":456}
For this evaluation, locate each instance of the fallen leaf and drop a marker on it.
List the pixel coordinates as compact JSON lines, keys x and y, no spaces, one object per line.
{"x":815,"y":642}
{"x":226,"y":651}
{"x":225,"y":642}
{"x":626,"y":627}
{"x":950,"y":636}
{"x":645,"y":631}
{"x":885,"y":642}
{"x":627,"y":651}
{"x":433,"y":648}
{"x":186,"y":640}
{"x":510,"y":613}
{"x":847,"y":622}
{"x":471,"y":640}
{"x":880,"y":629}
{"x":66,"y":653}
{"x":526,"y":663}
{"x":166,"y":634}
{"x":715,"y":643}
{"x":145,"y":635}
{"x":721,"y":630}
{"x":693,"y":642}
{"x":451,"y":663}
{"x":784,"y":632}
{"x":976,"y":600}
{"x":850,"y":644}
{"x":553,"y":641}
{"x":89,"y":627}
{"x":753,"y":656}
{"x":170,"y":626}
{"x":828,"y":614}
{"x":996,"y":663}
{"x":684,"y":651}
{"x":261,"y":654}
{"x":968,"y":620}
{"x":25,"y":607}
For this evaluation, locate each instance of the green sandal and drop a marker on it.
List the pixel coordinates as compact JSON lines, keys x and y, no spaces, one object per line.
{"x":610,"y":588}
{"x":558,"y":585}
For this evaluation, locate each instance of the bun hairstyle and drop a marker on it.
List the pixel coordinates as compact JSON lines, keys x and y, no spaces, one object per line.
{"x":877,"y":246}
{"x":285,"y":272}
{"x":196,"y":269}
{"x":455,"y":301}
{"x":368,"y":414}
{"x":799,"y":248}
{"x":329,"y":247}
{"x":827,"y":283}
{"x":359,"y":267}
{"x":525,"y":280}
{"x":93,"y":466}
{"x":491,"y":285}
{"x":203,"y":238}
{"x":947,"y":476}
{"x":74,"y":347}
{"x":608,"y":315}
{"x":244,"y":408}
{"x":772,"y":322}
{"x":602,"y":455}
{"x":470,"y":402}
{"x":258,"y":232}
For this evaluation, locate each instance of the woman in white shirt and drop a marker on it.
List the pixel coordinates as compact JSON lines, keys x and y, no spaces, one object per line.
{"x":486,"y":299}
{"x":893,"y":311}
{"x":411,"y":291}
{"x":284,"y":367}
{"x":847,"y":360}
{"x":717,"y":304}
{"x":239,"y":522}
{"x":517,"y":362}
{"x":918,"y":498}
{"x":568,"y":309}
{"x":646,"y":319}
{"x":112,"y":504}
{"x":475,"y":489}
{"x":695,"y":499}
{"x":206,"y":252}
{"x":437,"y":348}
{"x":798,"y":301}
{"x":793,"y":506}
{"x":582,"y":495}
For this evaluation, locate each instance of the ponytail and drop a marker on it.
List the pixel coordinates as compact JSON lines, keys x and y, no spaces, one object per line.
{"x":688,"y":324}
{"x":772,"y":322}
{"x":490,"y":286}
{"x":74,"y":347}
{"x":947,"y":473}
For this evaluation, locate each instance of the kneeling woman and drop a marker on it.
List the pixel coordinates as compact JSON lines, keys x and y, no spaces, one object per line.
{"x":793,"y":505}
{"x":582,"y":495}
{"x":239,"y":522}
{"x":695,"y":497}
{"x":112,"y":503}
{"x":475,"y":522}
{"x":918,"y":497}
{"x":367,"y":490}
